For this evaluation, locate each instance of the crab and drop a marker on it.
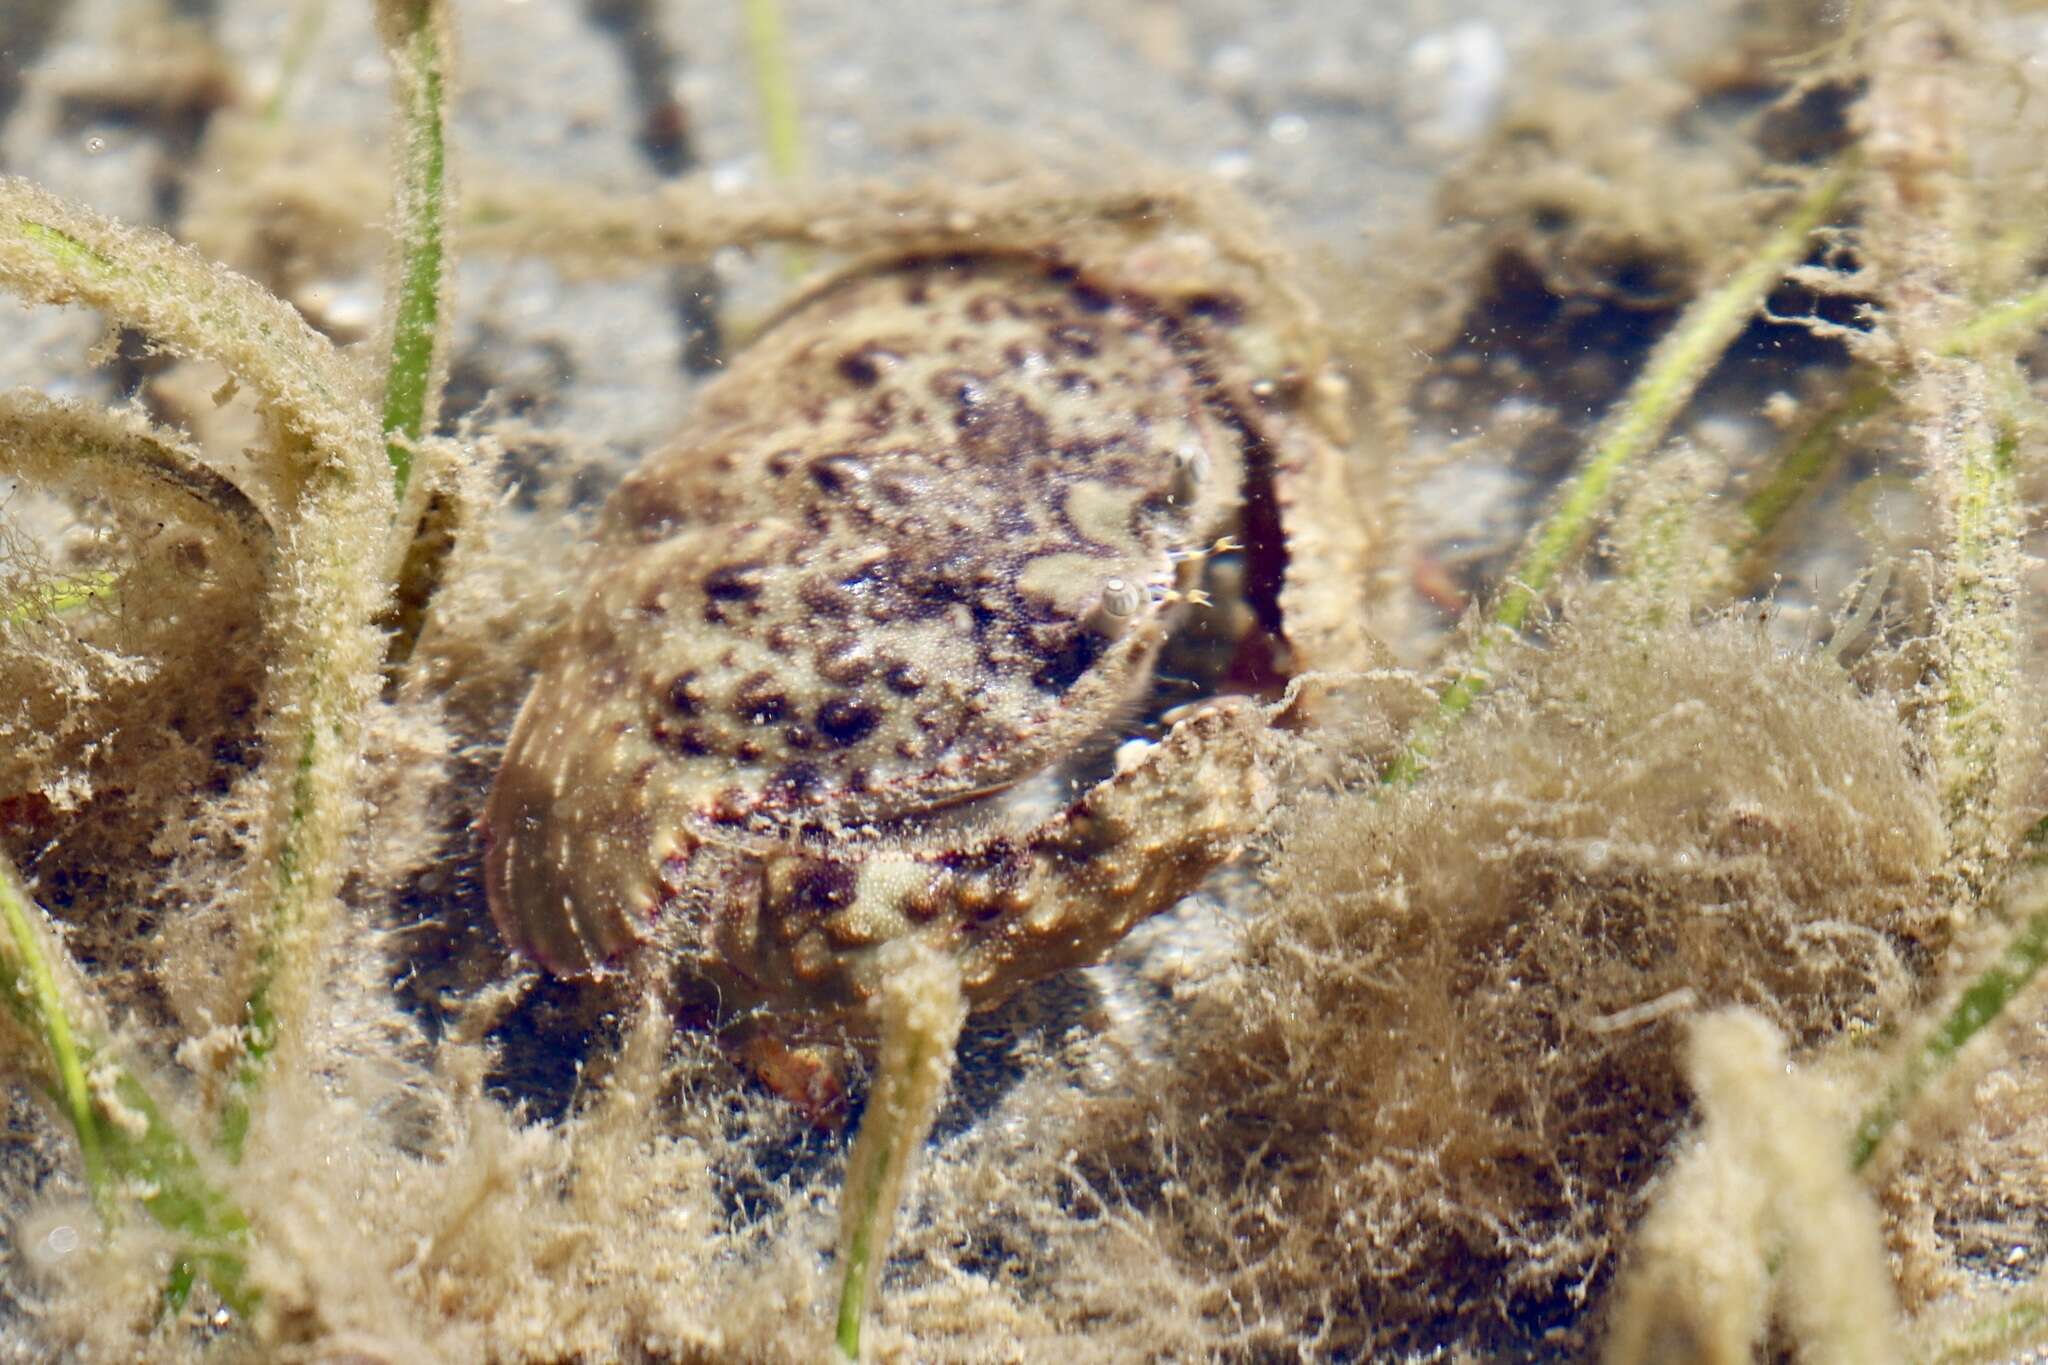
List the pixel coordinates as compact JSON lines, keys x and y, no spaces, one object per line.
{"x":862,"y":654}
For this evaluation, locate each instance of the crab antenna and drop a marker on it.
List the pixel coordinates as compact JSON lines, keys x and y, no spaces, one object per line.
{"x":1223,"y":545}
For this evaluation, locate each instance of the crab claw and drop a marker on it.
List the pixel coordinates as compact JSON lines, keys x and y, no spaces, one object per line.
{"x":1010,"y":909}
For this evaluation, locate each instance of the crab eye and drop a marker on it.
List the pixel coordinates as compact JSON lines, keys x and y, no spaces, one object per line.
{"x":1121,"y":598}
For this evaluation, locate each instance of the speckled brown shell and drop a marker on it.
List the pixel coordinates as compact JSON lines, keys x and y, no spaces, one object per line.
{"x":919,"y":545}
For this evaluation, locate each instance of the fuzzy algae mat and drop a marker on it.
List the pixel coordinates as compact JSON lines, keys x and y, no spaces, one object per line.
{"x":1672,"y":1003}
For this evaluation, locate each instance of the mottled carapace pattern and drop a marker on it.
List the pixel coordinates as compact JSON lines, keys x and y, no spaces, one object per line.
{"x":924,"y":541}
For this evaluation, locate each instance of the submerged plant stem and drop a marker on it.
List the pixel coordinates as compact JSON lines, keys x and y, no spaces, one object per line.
{"x":1980,"y":627}
{"x":775,"y":87}
{"x":53,"y":252}
{"x":1924,"y":231}
{"x":125,"y":1143}
{"x":1982,"y":1001}
{"x":775,"y":91}
{"x":1814,"y":452}
{"x":1674,"y":372}
{"x":1820,"y":446}
{"x":2000,"y":323}
{"x":276,"y":951}
{"x":323,"y":484}
{"x":115,"y":455}
{"x":308,"y":17}
{"x":30,"y":987}
{"x":684,"y":223}
{"x":2006,"y":1333}
{"x":55,"y":599}
{"x":416,"y":37}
